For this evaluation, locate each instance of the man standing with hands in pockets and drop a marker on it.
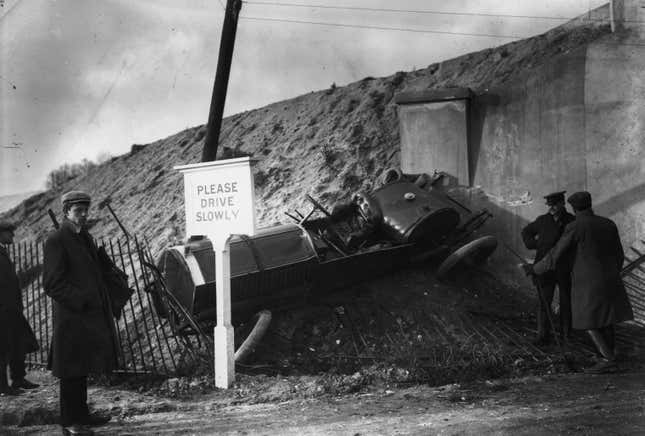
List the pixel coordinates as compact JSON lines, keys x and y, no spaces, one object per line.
{"x":83,"y":340}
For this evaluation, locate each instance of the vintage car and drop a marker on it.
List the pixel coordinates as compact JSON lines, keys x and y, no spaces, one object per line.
{"x":321,"y":252}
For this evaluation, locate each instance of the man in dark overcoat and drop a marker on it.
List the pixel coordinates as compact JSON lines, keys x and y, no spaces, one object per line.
{"x":83,"y":340}
{"x":599,"y":300}
{"x":542,"y":235}
{"x":16,"y":336}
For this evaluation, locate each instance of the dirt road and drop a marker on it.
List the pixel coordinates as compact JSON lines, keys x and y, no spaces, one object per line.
{"x":559,"y":404}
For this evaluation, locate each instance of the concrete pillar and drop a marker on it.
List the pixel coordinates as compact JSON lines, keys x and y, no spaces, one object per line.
{"x":434,"y":133}
{"x":628,"y":15}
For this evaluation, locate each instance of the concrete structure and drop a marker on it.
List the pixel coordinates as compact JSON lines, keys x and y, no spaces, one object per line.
{"x":628,"y":15}
{"x":575,"y":123}
{"x":436,"y":132}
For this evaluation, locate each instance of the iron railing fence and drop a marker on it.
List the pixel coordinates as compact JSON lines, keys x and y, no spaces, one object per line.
{"x":633,"y":275}
{"x":146,"y":342}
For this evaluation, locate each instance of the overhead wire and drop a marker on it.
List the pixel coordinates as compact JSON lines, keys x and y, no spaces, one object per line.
{"x":394,"y":10}
{"x":406,"y":29}
{"x":425,"y":11}
{"x":405,"y":11}
{"x":398,"y":29}
{"x":366,"y":26}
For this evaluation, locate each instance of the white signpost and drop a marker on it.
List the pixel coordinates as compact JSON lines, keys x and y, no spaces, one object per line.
{"x":220,"y":201}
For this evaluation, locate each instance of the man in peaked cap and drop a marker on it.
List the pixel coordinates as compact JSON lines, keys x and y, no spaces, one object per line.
{"x":16,"y":336}
{"x":75,"y":197}
{"x":542,"y":235}
{"x":598,"y":295}
{"x":83,"y":339}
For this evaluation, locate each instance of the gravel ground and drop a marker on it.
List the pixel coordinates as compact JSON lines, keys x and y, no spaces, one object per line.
{"x":558,"y":404}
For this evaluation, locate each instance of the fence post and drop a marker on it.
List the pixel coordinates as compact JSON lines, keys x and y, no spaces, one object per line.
{"x":134,"y":320}
{"x":143,"y":315}
{"x":155,"y":320}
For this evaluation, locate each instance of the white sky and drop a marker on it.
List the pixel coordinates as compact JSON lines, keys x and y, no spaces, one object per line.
{"x":81,"y":78}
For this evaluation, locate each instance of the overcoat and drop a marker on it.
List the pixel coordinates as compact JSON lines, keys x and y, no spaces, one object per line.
{"x":542,"y":234}
{"x":598,"y":296}
{"x":84,"y":335}
{"x":16,"y":336}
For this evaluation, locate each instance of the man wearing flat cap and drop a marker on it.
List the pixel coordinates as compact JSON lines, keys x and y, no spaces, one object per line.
{"x":598,"y":295}
{"x":541,"y":235}
{"x":16,"y":336}
{"x":83,"y":339}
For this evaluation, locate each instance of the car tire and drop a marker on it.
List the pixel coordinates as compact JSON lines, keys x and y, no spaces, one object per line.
{"x":473,"y":252}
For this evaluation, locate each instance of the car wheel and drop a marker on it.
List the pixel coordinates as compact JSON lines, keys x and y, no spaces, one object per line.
{"x":473,"y":253}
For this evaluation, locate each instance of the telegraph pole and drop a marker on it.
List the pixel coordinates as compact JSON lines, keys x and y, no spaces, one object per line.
{"x":224,"y":60}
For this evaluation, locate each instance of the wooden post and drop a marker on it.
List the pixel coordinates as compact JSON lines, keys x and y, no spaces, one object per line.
{"x":227,"y":43}
{"x":223,"y":331}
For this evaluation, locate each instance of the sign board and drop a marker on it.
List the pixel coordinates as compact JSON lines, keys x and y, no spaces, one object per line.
{"x":219,"y":198}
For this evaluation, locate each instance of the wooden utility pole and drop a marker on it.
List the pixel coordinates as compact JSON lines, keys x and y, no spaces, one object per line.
{"x":224,"y":60}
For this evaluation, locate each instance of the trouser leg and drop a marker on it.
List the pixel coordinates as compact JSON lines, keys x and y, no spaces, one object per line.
{"x":17,"y":367}
{"x":609,"y":335}
{"x":73,"y":400}
{"x":547,"y":288}
{"x":83,"y":409}
{"x":601,"y":344}
{"x":3,"y":372}
{"x":564,"y":288}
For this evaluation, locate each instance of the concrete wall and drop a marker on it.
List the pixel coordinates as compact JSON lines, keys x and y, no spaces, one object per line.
{"x":527,"y":140}
{"x":435,"y":135}
{"x":628,"y":15}
{"x":576,"y":123}
{"x":615,"y":131}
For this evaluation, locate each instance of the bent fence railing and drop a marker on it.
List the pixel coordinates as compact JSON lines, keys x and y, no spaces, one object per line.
{"x":633,"y":275}
{"x":146,"y":342}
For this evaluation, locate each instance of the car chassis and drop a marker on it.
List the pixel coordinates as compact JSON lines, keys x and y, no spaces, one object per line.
{"x":320,"y":253}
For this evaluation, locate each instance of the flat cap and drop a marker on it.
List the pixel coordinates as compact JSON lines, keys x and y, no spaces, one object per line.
{"x":580,"y":200}
{"x":7,"y":225}
{"x":554,"y":197}
{"x":73,"y":197}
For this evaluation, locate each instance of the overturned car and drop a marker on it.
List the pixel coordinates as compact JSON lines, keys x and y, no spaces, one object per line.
{"x":319,"y":253}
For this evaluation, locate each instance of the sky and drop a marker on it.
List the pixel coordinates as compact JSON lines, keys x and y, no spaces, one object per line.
{"x":84,"y":79}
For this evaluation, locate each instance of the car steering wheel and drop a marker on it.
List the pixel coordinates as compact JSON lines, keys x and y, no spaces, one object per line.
{"x":330,"y":227}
